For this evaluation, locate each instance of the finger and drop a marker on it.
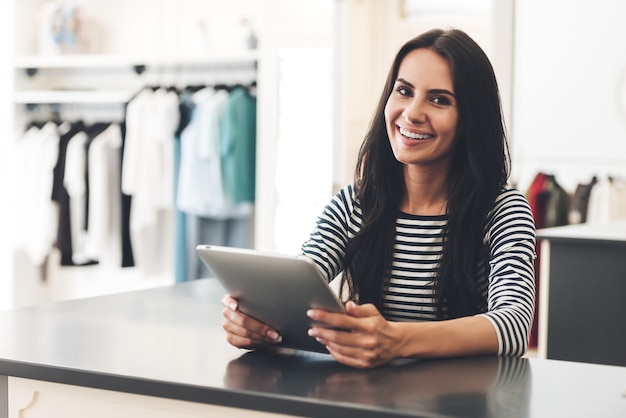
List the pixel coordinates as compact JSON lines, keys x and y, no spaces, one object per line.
{"x":351,"y":357}
{"x":357,"y":322}
{"x":242,"y":338}
{"x":331,"y":319}
{"x":327,"y":336}
{"x":237,"y":323}
{"x":245,"y":321}
{"x":348,"y":348}
{"x":243,"y":325}
{"x":361,"y":311}
{"x":229,"y":302}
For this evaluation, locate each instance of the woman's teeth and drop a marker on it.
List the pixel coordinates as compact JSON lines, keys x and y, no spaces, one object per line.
{"x":413,"y":135}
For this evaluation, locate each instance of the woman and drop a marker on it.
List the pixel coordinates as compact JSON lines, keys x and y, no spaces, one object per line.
{"x":435,"y":252}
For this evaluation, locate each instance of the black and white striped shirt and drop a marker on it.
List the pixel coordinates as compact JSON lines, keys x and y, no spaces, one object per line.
{"x":509,"y":283}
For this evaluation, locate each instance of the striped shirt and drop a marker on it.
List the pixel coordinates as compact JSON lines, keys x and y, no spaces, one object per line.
{"x":508,"y":283}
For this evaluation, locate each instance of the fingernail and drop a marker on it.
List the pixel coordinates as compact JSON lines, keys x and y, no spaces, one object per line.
{"x":274,"y":335}
{"x":311,"y":313}
{"x":232,"y":306}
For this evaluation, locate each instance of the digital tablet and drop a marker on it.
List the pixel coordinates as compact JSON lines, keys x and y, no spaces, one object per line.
{"x":275,"y":289}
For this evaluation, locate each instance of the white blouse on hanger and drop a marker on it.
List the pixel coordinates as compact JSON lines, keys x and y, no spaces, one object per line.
{"x":147,"y":175}
{"x":607,"y":201}
{"x":36,"y":214}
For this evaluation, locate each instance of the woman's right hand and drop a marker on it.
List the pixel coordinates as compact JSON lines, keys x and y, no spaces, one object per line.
{"x":243,"y":331}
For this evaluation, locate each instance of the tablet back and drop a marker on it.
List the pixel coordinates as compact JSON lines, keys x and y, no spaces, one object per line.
{"x":275,"y":289}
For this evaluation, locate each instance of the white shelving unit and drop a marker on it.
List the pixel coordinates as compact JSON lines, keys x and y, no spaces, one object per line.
{"x":116,"y":61}
{"x":72,"y":96}
{"x":95,"y":84}
{"x":37,"y":66}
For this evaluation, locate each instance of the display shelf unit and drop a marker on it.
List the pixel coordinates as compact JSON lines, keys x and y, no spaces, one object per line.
{"x":72,"y":96}
{"x":32,"y":65}
{"x":103,"y":61}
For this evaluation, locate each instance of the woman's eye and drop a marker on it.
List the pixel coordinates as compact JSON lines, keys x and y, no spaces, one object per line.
{"x":440,"y":100}
{"x":403,"y":91}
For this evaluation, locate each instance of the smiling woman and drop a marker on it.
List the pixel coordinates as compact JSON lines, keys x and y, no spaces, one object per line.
{"x":422,"y":115}
{"x":435,"y":251}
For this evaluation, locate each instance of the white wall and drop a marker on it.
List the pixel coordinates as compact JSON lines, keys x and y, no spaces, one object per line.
{"x":569,"y":90}
{"x":6,"y":131}
{"x":152,"y":27}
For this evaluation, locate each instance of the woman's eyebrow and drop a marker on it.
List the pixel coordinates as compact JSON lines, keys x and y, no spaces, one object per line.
{"x":403,"y":81}
{"x":442,"y":91}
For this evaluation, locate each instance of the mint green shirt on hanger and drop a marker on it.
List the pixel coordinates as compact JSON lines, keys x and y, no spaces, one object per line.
{"x":238,"y":146}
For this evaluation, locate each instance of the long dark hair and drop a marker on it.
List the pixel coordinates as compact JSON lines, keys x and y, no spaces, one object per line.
{"x":478,"y":173}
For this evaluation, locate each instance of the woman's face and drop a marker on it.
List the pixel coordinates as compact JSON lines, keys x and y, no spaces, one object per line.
{"x":421,"y":113}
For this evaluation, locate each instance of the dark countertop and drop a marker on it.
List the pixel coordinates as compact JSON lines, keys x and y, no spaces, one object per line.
{"x":168,"y":342}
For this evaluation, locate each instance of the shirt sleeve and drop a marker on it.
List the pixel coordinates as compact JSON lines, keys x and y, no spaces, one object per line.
{"x":511,"y":299}
{"x":334,"y":227}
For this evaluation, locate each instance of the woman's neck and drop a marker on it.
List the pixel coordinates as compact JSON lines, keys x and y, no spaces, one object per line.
{"x":425,"y":193}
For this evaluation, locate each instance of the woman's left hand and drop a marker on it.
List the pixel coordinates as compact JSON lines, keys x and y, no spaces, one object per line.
{"x":370,"y":340}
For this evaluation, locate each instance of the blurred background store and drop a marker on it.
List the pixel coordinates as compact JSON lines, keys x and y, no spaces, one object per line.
{"x":311,"y":72}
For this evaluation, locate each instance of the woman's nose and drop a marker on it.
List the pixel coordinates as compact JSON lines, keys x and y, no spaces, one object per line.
{"x":414,"y":111}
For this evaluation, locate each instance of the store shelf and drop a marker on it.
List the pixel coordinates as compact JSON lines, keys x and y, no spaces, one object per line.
{"x":116,"y":61}
{"x":72,"y":96}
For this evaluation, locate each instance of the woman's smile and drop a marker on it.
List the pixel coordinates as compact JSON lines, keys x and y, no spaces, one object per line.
{"x":414,"y":135}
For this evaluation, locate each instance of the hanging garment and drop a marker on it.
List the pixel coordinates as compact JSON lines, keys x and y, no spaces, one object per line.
{"x":181,"y":270}
{"x":147,"y":175}
{"x":103,"y":241}
{"x":217,"y":172}
{"x":238,"y":146}
{"x":580,"y":202}
{"x":607,"y":201}
{"x":558,"y":203}
{"x":549,"y":201}
{"x":61,"y":196}
{"x":200,"y":188}
{"x":128,"y":260}
{"x":74,"y":182}
{"x":36,"y":221}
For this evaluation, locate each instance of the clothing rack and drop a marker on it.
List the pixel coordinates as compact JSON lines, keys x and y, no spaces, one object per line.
{"x":166,"y":166}
{"x":100,"y":106}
